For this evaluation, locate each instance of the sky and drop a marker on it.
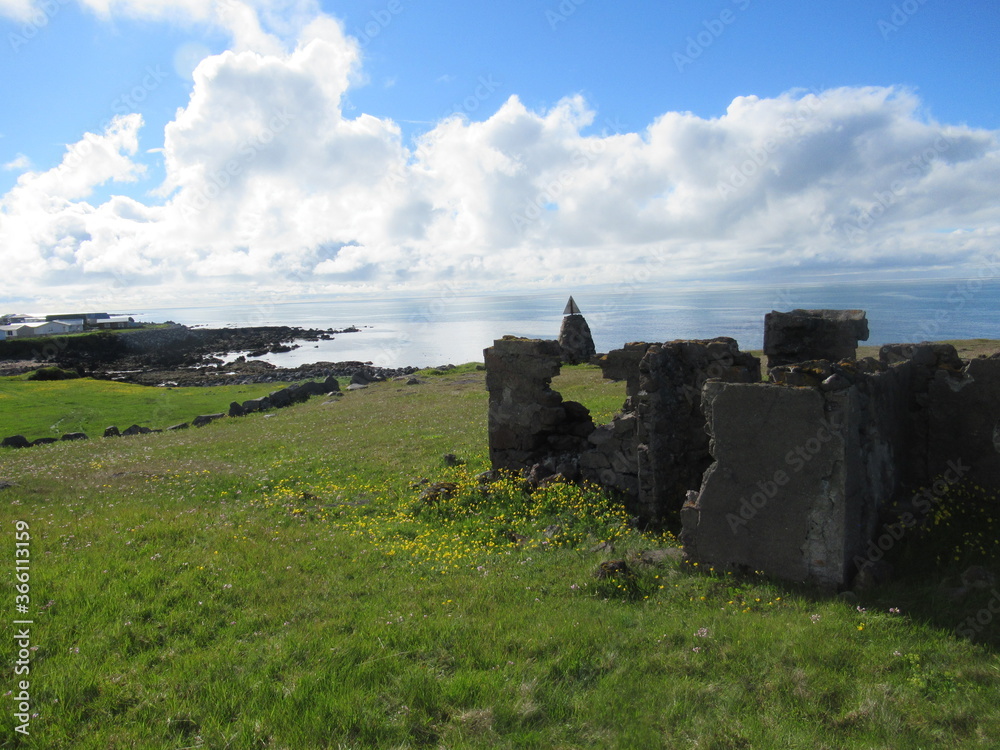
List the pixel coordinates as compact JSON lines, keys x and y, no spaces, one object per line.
{"x":159,"y":153}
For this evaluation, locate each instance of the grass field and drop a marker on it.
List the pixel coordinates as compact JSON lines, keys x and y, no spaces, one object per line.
{"x":287,"y":581}
{"x":54,"y":408}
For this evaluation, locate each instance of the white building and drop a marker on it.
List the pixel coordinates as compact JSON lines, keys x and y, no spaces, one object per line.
{"x":11,"y":331}
{"x":41,"y":328}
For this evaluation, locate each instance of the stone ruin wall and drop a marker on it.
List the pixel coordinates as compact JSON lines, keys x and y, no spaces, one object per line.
{"x":794,"y":477}
{"x":656,"y":448}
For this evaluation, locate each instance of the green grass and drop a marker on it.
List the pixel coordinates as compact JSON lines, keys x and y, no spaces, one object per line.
{"x":284,"y":582}
{"x":39,"y":409}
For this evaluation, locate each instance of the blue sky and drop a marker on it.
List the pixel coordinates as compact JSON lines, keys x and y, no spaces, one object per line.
{"x":395,"y":144}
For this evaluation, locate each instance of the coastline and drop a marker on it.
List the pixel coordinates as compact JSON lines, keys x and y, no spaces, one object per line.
{"x":178,"y":355}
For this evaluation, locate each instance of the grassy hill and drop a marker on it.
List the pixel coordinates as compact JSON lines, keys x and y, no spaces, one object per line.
{"x":320,"y":577}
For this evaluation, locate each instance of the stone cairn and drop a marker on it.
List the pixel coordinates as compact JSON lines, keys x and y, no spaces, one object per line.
{"x":575,"y":339}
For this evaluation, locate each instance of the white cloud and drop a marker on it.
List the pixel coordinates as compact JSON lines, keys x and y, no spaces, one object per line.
{"x":268,"y":183}
{"x":18,"y":164}
{"x":19,"y":10}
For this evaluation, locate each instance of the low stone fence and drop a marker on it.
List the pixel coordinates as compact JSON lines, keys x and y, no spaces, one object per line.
{"x":293,"y":394}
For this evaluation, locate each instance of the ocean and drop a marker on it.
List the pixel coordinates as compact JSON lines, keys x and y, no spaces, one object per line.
{"x":452,"y":327}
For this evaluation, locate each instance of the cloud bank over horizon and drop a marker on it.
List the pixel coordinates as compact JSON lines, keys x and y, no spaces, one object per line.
{"x":271,"y":186}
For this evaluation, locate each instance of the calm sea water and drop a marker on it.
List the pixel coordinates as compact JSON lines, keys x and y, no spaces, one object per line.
{"x":445,"y":328}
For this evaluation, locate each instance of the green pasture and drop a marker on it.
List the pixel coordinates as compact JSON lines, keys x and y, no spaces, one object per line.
{"x":322,"y":577}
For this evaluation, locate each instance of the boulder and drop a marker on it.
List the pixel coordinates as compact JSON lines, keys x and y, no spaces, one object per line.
{"x":181,"y":426}
{"x":298,"y":393}
{"x":204,"y":419}
{"x":136,"y":430}
{"x":15,"y":441}
{"x":74,"y":436}
{"x":332,"y":384}
{"x":112,"y":431}
{"x":313,"y":388}
{"x":256,"y":404}
{"x":280,"y":399}
{"x":236,"y":410}
{"x":44,"y":441}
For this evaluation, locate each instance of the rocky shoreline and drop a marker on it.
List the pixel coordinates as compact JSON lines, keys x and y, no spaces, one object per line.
{"x":177,"y":355}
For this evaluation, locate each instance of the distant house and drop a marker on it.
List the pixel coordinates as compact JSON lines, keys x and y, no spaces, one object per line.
{"x":13,"y":319}
{"x":22,"y":326}
{"x":90,"y":319}
{"x":10,"y":331}
{"x":114,"y":322}
{"x":41,"y":328}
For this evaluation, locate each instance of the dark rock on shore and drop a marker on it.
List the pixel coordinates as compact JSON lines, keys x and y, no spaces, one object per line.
{"x":256,"y":372}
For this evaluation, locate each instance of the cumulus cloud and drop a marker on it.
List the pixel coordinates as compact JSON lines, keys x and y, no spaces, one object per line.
{"x":269,"y":184}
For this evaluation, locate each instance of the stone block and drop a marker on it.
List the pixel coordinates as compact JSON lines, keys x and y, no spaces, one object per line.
{"x":801,"y":335}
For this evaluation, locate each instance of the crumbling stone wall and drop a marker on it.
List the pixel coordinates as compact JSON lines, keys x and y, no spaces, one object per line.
{"x":801,"y":470}
{"x":529,"y":423}
{"x":954,"y":414}
{"x":653,"y":451}
{"x":803,"y":335}
{"x":657,"y":448}
{"x":793,"y":477}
